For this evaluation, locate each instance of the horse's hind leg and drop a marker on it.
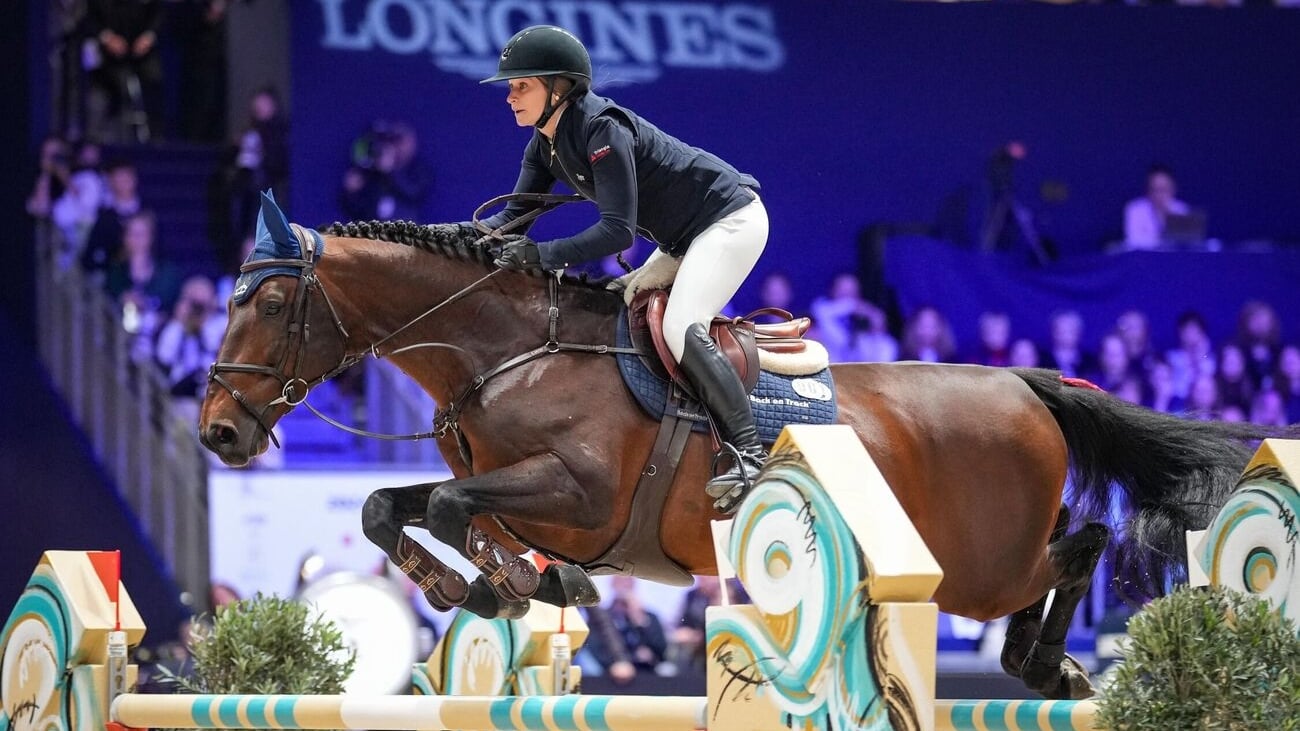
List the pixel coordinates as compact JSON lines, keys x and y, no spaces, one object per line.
{"x":384,"y":515}
{"x":1047,"y":669}
{"x":1025,"y":625}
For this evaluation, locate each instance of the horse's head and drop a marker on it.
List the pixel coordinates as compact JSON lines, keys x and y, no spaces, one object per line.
{"x":277,"y":344}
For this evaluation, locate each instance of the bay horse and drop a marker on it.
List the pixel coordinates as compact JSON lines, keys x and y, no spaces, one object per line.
{"x":546,"y":449}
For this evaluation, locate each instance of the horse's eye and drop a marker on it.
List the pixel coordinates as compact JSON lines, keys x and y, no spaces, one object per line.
{"x":273,"y":308}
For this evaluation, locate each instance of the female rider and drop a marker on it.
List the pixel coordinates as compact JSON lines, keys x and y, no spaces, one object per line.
{"x":690,"y":203}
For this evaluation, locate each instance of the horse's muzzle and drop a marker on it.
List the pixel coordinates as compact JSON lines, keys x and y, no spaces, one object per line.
{"x":224,"y":439}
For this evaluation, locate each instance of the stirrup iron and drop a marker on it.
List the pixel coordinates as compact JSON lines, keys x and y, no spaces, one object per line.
{"x":730,"y":487}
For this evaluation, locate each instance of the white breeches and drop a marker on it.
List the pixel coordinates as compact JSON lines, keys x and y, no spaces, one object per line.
{"x":713,"y":268}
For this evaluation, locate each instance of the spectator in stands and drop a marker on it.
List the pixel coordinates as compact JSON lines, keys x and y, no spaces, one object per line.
{"x":1113,"y":364}
{"x":259,"y":160}
{"x":1232,"y":412}
{"x":52,"y":178}
{"x":1233,"y":378}
{"x":1134,"y":329}
{"x":872,"y":341}
{"x":76,"y":210}
{"x":187,"y":344}
{"x":1287,"y":381}
{"x":122,"y":201}
{"x":125,"y":68}
{"x":625,"y":637}
{"x":1066,"y":353}
{"x":994,"y":347}
{"x":1144,"y":218}
{"x":834,"y":314}
{"x":412,"y":179}
{"x":688,"y":638}
{"x":1130,"y":389}
{"x":1194,"y":355}
{"x":1024,"y":354}
{"x":386,"y":180}
{"x":1268,"y":408}
{"x":146,"y":285}
{"x":927,"y":336}
{"x":1160,"y":389}
{"x":1259,"y":334}
{"x":1203,"y":400}
{"x":202,"y":25}
{"x":776,"y":290}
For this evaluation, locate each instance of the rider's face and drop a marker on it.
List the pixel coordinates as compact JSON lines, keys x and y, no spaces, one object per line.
{"x":527,"y":99}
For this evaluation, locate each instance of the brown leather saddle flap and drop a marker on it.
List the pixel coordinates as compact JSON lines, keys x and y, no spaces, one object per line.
{"x":739,"y":338}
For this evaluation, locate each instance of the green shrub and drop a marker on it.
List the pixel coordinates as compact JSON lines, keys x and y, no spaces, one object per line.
{"x":267,"y":645}
{"x":1209,"y":659}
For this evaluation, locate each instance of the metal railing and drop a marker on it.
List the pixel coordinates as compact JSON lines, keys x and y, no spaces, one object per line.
{"x":145,"y":444}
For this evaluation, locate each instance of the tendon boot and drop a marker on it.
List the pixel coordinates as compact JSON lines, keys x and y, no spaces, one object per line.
{"x":723,"y":395}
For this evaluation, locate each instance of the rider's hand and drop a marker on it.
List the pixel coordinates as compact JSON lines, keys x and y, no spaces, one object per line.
{"x":520,"y":255}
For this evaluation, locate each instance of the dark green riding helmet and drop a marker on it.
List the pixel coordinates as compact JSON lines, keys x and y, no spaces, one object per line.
{"x":544,"y":51}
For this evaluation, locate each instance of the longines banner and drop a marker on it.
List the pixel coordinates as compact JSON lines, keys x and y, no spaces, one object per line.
{"x":848,"y":112}
{"x":632,"y":41}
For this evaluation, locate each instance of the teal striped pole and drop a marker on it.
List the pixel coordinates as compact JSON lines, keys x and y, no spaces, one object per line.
{"x":415,"y":713}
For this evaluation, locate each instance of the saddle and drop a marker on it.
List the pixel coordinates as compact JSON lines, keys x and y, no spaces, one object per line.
{"x":739,"y":338}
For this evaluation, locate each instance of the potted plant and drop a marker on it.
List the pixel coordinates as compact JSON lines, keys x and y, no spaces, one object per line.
{"x":266,"y":645}
{"x":1205,"y":658}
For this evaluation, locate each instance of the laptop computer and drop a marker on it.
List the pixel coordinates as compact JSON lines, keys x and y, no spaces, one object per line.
{"x":1186,"y":230}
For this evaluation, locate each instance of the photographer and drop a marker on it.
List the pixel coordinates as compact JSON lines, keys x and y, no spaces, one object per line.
{"x":386,"y":180}
{"x":52,"y":179}
{"x":188,"y":343}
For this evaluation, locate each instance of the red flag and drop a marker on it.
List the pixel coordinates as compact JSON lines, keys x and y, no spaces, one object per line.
{"x":108,"y":567}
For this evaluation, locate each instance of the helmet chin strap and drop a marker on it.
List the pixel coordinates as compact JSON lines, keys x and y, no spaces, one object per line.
{"x":549,"y":110}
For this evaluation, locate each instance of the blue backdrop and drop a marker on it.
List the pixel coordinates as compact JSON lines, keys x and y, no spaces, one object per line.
{"x":847,"y":112}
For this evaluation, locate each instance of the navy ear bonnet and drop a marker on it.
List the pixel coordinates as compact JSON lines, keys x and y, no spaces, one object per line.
{"x":274,"y":240}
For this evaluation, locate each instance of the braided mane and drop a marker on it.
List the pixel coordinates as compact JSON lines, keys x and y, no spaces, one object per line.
{"x":445,"y":239}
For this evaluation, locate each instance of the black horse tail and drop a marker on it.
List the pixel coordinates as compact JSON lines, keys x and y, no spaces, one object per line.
{"x":1172,"y":474}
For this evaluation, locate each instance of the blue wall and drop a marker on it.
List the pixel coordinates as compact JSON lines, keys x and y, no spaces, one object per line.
{"x":872,"y":112}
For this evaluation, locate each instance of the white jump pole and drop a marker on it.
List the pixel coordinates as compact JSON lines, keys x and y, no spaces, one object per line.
{"x":413,"y":713}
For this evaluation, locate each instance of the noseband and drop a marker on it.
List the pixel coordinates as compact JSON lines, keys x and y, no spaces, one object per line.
{"x":299,"y":330}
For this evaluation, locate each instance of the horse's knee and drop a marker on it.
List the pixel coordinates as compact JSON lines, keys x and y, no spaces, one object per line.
{"x":377,"y":516}
{"x":448,"y":508}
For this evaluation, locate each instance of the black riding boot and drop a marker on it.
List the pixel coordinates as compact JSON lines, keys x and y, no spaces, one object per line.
{"x":718,"y":386}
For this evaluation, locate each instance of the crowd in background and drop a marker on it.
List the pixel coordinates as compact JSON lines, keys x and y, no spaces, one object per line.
{"x":1252,"y":374}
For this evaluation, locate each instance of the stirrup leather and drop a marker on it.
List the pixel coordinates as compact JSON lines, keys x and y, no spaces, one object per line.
{"x":513,"y":577}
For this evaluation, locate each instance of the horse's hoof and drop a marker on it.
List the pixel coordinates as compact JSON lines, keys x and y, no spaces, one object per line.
{"x":1066,"y":680}
{"x":566,"y":585}
{"x":513,"y":608}
{"x":1075,"y":685}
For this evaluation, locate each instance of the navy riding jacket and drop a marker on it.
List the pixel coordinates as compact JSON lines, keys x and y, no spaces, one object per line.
{"x":641,"y":179}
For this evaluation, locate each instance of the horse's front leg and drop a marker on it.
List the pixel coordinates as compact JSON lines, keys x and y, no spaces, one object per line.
{"x":384,"y":515}
{"x":538,"y":489}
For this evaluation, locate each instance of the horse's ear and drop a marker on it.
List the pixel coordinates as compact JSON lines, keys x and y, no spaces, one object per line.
{"x":273,"y":230}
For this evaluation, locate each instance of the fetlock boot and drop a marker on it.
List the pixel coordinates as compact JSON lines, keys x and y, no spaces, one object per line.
{"x":718,"y":386}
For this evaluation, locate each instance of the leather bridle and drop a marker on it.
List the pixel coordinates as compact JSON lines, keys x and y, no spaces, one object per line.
{"x":299,"y":330}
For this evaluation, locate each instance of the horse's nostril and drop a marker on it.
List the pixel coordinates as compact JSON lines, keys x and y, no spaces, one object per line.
{"x":222,"y":432}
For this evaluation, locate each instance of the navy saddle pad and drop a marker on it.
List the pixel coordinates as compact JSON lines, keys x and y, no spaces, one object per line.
{"x":777,"y":400}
